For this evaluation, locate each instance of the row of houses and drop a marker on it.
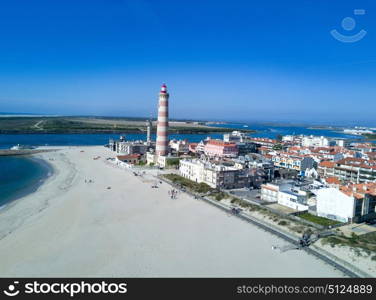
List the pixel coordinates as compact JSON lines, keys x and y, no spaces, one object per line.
{"x":314,"y":141}
{"x":343,"y":203}
{"x":355,"y":170}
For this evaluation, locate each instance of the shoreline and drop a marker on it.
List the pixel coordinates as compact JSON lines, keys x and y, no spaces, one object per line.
{"x":48,"y":171}
{"x":22,"y":208}
{"x":131,"y":232}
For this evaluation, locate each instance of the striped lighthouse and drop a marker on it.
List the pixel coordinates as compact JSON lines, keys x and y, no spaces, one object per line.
{"x":161,"y":148}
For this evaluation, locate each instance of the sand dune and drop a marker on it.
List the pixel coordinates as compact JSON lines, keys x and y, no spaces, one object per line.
{"x":72,"y":228}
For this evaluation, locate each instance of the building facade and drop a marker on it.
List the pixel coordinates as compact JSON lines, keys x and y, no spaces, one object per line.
{"x":218,"y":148}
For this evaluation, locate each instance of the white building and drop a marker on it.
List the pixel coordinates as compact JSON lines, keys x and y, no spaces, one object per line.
{"x":212,"y":174}
{"x":200,"y":148}
{"x":342,"y":142}
{"x":192,"y":170}
{"x":131,"y":147}
{"x":285,"y":194}
{"x":334,"y":204}
{"x":235,"y":136}
{"x":269,"y":192}
{"x":293,"y":198}
{"x":315,"y":141}
{"x":180,"y":146}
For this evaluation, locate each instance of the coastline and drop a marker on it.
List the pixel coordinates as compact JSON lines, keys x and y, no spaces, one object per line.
{"x":14,"y":213}
{"x":74,"y":229}
{"x":33,"y":187}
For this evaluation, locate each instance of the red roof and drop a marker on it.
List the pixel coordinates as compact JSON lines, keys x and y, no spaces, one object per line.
{"x":359,"y":190}
{"x":221,"y":143}
{"x":327,"y":164}
{"x":332,"y":180}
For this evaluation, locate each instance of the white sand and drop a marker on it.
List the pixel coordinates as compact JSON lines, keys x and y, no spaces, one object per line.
{"x":72,"y":228}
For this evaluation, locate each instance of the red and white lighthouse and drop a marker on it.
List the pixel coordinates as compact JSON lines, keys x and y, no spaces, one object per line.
{"x":162,"y":124}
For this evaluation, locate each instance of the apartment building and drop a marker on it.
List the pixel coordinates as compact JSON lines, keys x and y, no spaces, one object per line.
{"x":350,"y":203}
{"x":215,"y":175}
{"x":287,"y":194}
{"x":218,"y":148}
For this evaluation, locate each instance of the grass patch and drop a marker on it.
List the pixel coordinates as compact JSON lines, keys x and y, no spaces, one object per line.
{"x":189,"y":184}
{"x":219,"y":196}
{"x":332,"y":241}
{"x":318,"y":220}
{"x":245,"y":204}
{"x":298,"y":228}
{"x":172,"y":162}
{"x":366,"y":242}
{"x":283,"y":223}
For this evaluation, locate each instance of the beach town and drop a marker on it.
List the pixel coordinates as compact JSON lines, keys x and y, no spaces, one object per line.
{"x":295,"y":206}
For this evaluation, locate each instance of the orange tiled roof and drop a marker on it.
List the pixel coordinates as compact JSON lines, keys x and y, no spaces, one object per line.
{"x":359,"y":190}
{"x":327,"y":164}
{"x":332,"y":180}
{"x":358,"y":162}
{"x":221,"y":143}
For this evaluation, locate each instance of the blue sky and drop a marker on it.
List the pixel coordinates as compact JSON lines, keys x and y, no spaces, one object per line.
{"x":231,"y":60}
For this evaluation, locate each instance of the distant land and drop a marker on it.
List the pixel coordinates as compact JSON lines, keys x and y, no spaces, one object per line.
{"x":370,"y":137}
{"x":86,"y":124}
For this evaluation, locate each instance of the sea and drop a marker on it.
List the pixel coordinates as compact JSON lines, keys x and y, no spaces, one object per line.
{"x":22,"y":175}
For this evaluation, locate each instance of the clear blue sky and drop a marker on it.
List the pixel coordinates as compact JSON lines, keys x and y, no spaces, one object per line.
{"x":245,"y":60}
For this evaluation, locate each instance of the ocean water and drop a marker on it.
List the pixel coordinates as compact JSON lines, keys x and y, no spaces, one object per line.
{"x":20,"y":176}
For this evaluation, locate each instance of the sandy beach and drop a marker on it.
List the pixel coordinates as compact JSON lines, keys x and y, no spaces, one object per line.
{"x":72,"y":228}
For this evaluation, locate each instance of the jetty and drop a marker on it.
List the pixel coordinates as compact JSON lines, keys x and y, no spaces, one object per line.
{"x":9,"y":152}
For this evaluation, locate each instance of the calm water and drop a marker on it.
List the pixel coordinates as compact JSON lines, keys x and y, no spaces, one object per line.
{"x":20,"y":176}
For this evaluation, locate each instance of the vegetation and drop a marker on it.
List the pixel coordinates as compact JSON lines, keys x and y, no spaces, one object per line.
{"x":21,"y":125}
{"x":277,"y":147}
{"x":370,"y":137}
{"x":219,"y":195}
{"x":283,"y":223}
{"x":366,"y":242}
{"x":247,"y":205}
{"x":172,"y":162}
{"x":318,"y":220}
{"x":189,"y":184}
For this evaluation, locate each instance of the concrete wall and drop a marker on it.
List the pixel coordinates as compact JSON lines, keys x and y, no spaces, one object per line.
{"x":335,"y":205}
